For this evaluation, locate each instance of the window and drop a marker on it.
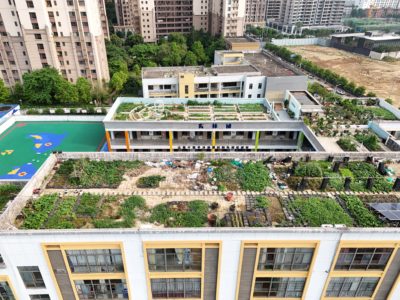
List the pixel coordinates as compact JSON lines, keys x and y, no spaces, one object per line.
{"x":29,"y":4}
{"x":250,"y":86}
{"x":31,"y":277}
{"x":351,"y":286}
{"x":363,"y":258}
{"x":174,"y":259}
{"x":150,"y":87}
{"x":176,"y":288}
{"x":40,"y":46}
{"x":102,"y":289}
{"x":186,"y":89}
{"x":5,"y":291}
{"x":40,"y":297}
{"x":279,"y":287}
{"x":38,"y":36}
{"x":95,"y":261}
{"x":260,"y":85}
{"x":285,"y":259}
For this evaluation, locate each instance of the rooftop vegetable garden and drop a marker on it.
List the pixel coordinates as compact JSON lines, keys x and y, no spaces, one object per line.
{"x":192,"y":110}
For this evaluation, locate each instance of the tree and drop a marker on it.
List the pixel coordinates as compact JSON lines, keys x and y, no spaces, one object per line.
{"x":190,"y":59}
{"x":66,"y":93}
{"x":177,"y":37}
{"x":99,"y":94}
{"x":42,"y":86}
{"x":133,"y":39}
{"x":17,"y":92}
{"x":172,"y":54}
{"x":118,"y":80}
{"x":198,"y":50}
{"x":4,"y":92}
{"x":115,"y":65}
{"x":83,"y":88}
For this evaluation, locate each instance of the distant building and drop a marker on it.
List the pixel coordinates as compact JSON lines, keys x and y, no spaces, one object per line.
{"x":67,"y":35}
{"x":156,"y":19}
{"x":364,"y":43}
{"x":292,"y":16}
{"x":237,"y":75}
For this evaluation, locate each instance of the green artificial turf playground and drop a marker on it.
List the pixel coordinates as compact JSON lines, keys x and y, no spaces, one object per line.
{"x":26,"y":145}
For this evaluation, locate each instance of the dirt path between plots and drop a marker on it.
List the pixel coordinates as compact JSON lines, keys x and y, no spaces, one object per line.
{"x":380,"y":77}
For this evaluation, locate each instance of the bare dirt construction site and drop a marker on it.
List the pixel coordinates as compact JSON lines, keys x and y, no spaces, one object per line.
{"x":380,"y":77}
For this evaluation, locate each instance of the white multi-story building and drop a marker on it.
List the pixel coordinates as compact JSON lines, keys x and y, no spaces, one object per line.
{"x":208,"y":264}
{"x":67,"y":35}
{"x":235,"y":75}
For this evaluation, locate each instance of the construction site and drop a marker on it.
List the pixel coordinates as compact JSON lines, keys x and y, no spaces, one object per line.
{"x":380,"y":77}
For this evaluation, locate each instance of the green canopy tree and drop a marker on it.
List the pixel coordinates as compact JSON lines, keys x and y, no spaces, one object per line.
{"x":66,"y":93}
{"x":4,"y":92}
{"x":41,"y":87}
{"x":190,"y":59}
{"x":198,"y":50}
{"x":117,"y":81}
{"x":17,"y":92}
{"x":133,"y":39}
{"x":83,"y":88}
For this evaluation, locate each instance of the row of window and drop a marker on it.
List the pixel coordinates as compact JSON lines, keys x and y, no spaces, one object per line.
{"x":285,"y":287}
{"x":190,"y":259}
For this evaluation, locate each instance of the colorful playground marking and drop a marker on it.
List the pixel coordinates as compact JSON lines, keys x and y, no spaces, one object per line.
{"x":26,"y":145}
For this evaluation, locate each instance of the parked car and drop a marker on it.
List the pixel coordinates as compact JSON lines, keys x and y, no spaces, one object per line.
{"x":282,"y":185}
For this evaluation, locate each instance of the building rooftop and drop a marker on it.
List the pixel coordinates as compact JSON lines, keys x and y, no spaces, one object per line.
{"x":81,"y":195}
{"x":304,"y":98}
{"x":170,"y":109}
{"x":173,"y":72}
{"x":268,"y":66}
{"x":244,"y":69}
{"x":240,"y":40}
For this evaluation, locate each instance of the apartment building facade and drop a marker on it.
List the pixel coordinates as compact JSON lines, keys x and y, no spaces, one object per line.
{"x":67,"y":35}
{"x":156,"y":19}
{"x":207,"y":264}
{"x":291,"y":16}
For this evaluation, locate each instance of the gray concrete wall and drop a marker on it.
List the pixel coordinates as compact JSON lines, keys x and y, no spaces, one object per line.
{"x":156,"y":156}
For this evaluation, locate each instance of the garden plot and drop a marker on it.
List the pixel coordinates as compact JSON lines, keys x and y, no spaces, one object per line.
{"x":310,"y":175}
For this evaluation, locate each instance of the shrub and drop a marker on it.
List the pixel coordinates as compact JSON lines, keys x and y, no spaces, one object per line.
{"x":7,"y":193}
{"x":150,"y":181}
{"x":88,"y":205}
{"x":262,"y":202}
{"x":103,"y":111}
{"x":194,"y":216}
{"x":311,"y":169}
{"x":32,"y":111}
{"x":370,"y":141}
{"x":347,"y":144}
{"x":45,"y":111}
{"x":59,"y":111}
{"x":85,"y":173}
{"x":91,"y":111}
{"x":360,"y":213}
{"x":39,"y":212}
{"x":73,"y":111}
{"x":253,"y":177}
{"x":346,"y":173}
{"x":317,"y":211}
